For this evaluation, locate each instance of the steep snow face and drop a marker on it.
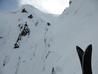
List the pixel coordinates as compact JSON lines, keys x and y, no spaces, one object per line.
{"x":78,"y":25}
{"x":81,"y":8}
{"x":27,"y":48}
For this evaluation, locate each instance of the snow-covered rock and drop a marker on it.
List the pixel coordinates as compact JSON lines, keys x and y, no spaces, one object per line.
{"x":26,"y":44}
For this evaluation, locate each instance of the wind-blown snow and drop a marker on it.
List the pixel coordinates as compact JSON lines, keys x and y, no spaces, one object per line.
{"x":51,"y":46}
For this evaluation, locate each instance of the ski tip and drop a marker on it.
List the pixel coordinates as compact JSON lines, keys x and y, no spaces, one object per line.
{"x":87,"y":67}
{"x":79,"y":49}
{"x":89,"y":46}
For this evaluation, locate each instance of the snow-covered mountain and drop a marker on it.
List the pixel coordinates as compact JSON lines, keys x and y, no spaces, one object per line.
{"x":25,"y":43}
{"x":32,"y":42}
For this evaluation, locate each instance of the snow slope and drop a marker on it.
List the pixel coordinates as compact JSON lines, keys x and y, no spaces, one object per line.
{"x":51,"y":46}
{"x":77,"y":25}
{"x":34,"y":53}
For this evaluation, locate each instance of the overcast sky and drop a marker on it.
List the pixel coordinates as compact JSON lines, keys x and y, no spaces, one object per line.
{"x":49,"y":6}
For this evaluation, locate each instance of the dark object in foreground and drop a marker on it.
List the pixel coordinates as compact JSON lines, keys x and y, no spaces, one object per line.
{"x":85,"y":59}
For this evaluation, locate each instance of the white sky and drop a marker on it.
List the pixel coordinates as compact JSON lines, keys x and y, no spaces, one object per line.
{"x":49,"y":6}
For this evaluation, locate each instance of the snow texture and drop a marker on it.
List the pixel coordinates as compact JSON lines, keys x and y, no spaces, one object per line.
{"x":47,"y":43}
